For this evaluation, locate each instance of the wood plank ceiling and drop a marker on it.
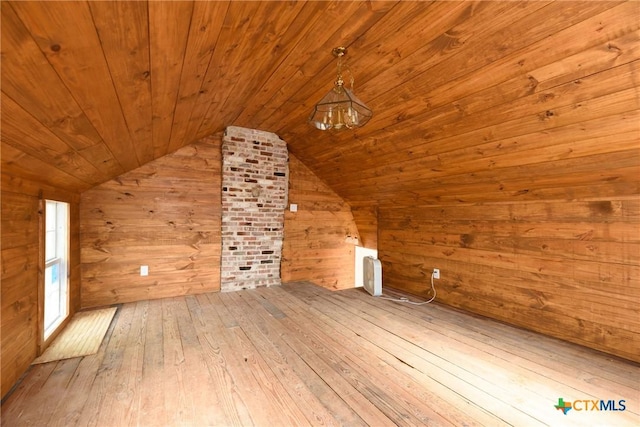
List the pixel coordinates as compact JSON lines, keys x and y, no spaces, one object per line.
{"x":472,"y":101}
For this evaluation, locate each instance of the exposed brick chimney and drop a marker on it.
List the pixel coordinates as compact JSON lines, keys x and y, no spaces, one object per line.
{"x":255,"y":176}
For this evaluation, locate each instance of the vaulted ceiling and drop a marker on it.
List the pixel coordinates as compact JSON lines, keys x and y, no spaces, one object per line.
{"x":472,"y":101}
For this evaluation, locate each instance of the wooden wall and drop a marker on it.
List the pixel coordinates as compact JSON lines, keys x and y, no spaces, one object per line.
{"x":315,"y":247}
{"x":366,"y":216}
{"x":165,"y":214}
{"x":512,"y":163}
{"x":21,"y":240}
{"x":569,"y":269}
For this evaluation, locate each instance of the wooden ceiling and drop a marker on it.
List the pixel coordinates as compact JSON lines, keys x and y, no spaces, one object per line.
{"x":472,"y":101}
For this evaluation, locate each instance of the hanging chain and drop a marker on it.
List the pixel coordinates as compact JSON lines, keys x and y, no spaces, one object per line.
{"x":340,"y":80}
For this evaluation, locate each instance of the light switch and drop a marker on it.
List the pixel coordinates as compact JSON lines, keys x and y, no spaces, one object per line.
{"x":144,"y":270}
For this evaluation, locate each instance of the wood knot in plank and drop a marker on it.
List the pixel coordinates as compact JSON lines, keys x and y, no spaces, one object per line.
{"x":466,"y":240}
{"x":546,"y":115}
{"x":614,"y":48}
{"x":533,"y":83}
{"x":602,"y":208}
{"x":544,"y":97}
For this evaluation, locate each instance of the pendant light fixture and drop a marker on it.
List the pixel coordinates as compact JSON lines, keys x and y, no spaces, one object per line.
{"x":340,"y":108}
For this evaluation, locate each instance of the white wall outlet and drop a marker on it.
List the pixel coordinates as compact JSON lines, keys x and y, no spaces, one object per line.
{"x":293,"y":207}
{"x":436,"y":273}
{"x":144,"y":270}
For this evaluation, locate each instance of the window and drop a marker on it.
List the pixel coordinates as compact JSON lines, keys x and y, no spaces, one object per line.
{"x":56,"y":283}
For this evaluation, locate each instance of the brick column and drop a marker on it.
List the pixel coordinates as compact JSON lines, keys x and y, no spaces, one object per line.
{"x":254,"y":196}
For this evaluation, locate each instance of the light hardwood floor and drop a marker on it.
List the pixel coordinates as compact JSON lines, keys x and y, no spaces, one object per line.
{"x":301,"y":355}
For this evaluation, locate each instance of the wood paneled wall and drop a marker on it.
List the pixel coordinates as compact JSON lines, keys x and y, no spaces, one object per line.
{"x":568,"y":269}
{"x":21,"y":242}
{"x":165,"y":214}
{"x":513,"y":166}
{"x":315,"y":247}
{"x":366,"y":217}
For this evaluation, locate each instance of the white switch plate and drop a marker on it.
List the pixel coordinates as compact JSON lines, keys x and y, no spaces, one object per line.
{"x":144,"y":270}
{"x":436,"y":273}
{"x":293,"y":207}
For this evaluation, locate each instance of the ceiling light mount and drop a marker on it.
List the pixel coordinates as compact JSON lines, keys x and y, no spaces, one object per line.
{"x":340,"y":108}
{"x":339,"y":51}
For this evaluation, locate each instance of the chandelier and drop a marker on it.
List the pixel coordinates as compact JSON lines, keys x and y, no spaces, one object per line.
{"x":340,"y":108}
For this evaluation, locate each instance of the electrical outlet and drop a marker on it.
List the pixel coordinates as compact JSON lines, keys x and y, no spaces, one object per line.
{"x":436,"y":273}
{"x":144,"y":270}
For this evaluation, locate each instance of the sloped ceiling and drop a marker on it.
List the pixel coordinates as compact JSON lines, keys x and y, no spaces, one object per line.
{"x":473,"y":101}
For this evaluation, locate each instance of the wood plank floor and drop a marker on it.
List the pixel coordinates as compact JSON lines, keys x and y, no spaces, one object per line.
{"x":301,"y":355}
